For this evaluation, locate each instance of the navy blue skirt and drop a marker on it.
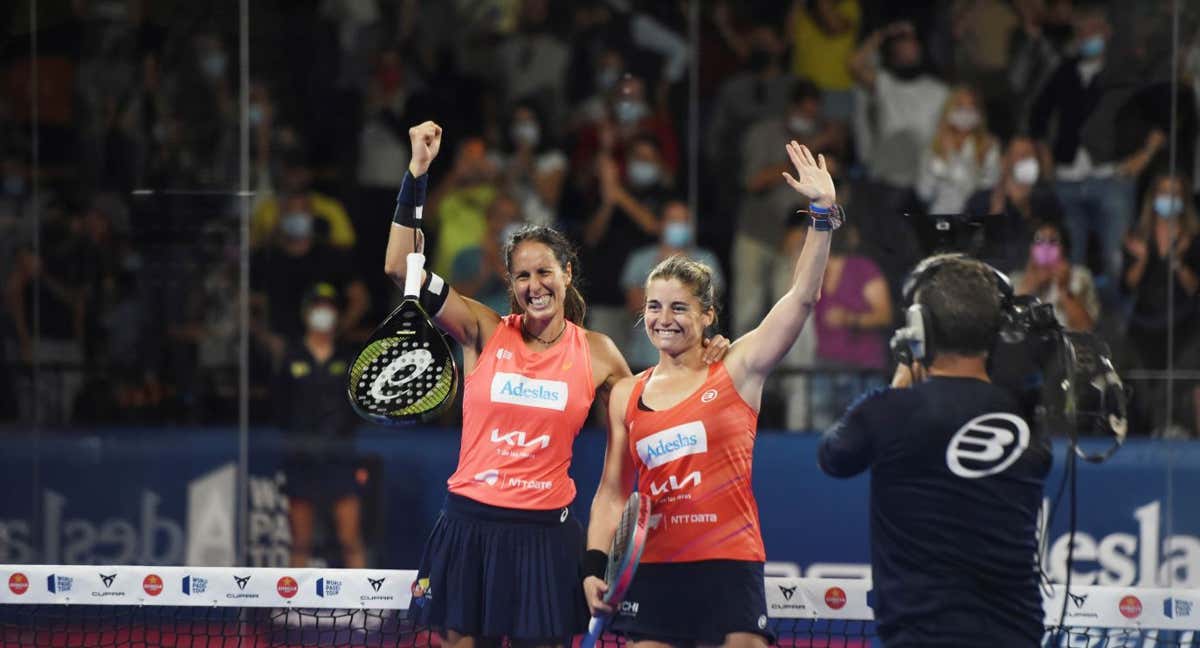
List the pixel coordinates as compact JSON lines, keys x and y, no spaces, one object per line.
{"x":498,"y":572}
{"x":694,"y":602}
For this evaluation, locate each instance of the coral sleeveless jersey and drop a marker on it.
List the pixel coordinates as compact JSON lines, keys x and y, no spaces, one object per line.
{"x":521,"y":412}
{"x":694,"y":461}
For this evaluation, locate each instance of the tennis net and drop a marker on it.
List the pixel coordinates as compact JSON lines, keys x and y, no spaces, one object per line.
{"x":60,"y":606}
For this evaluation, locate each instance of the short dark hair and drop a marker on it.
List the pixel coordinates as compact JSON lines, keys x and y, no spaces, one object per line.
{"x":963,"y":299}
{"x":803,"y":90}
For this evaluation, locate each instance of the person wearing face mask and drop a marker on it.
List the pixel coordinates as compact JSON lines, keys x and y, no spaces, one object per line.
{"x":534,"y":168}
{"x":1095,"y":180}
{"x":1050,"y":276}
{"x":962,"y":158}
{"x":630,"y":117}
{"x":297,"y":259}
{"x":296,"y":180}
{"x":1165,"y":241}
{"x":1011,"y":209}
{"x":896,"y":114}
{"x":757,"y":254}
{"x":318,"y":424}
{"x":625,"y":220}
{"x":678,"y":237}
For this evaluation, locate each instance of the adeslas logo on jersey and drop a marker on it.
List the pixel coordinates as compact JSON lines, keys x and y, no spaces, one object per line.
{"x":516,"y":389}
{"x":673,"y":443}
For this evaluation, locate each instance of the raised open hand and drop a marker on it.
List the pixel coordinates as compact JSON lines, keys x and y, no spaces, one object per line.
{"x":812,"y":179}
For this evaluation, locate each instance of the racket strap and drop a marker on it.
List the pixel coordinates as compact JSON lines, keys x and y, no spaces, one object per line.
{"x":410,"y":200}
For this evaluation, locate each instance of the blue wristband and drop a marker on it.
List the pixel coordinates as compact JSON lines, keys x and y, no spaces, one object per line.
{"x":412,"y":190}
{"x":820,"y":217}
{"x":819,"y":210}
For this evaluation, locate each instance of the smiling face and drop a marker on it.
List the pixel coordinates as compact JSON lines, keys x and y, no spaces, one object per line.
{"x":674,"y":317}
{"x":538,"y":280}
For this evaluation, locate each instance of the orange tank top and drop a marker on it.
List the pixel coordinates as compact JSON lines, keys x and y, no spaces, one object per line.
{"x":694,"y":461}
{"x":521,"y":413}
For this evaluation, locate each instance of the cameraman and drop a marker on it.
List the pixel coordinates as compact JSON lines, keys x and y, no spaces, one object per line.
{"x":956,"y":475}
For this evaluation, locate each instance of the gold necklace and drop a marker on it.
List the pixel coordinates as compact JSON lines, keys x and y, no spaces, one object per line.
{"x":539,"y":339}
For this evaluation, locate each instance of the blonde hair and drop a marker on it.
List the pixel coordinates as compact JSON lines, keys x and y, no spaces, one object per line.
{"x":979,"y":135}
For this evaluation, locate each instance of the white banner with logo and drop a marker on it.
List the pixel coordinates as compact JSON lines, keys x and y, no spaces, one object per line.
{"x":207,"y":586}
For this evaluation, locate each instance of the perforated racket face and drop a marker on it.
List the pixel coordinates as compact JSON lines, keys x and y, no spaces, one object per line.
{"x":627,"y":546}
{"x":406,"y":372}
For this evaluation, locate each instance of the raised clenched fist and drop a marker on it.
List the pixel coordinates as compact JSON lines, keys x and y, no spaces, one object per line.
{"x":426,"y":140}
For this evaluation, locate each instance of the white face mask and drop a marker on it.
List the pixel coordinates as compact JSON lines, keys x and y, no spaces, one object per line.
{"x":642,"y":174}
{"x":526,"y":132}
{"x":964,"y":119}
{"x":297,"y":225}
{"x":801,"y":125}
{"x":322,"y":320}
{"x":1025,"y":170}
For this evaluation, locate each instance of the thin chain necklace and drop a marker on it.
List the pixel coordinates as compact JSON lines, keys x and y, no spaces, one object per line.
{"x":539,"y":339}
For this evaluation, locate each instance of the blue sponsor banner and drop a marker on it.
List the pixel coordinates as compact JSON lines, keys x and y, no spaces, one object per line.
{"x":142,"y":497}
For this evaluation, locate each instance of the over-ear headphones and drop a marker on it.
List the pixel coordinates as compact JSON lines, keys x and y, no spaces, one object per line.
{"x":915,"y":340}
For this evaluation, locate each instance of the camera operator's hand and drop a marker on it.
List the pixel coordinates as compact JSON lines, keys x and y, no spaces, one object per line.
{"x":907,"y":376}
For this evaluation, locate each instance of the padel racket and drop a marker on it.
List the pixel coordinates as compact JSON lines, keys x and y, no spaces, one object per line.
{"x":623,"y":559}
{"x":406,"y":372}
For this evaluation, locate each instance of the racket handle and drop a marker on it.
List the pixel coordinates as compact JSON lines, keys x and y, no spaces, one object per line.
{"x":412,"y":278}
{"x":595,"y":629}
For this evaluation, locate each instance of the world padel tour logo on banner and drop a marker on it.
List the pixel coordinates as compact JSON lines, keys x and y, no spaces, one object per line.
{"x":328,"y":587}
{"x":516,"y":389}
{"x":18,"y":583}
{"x":194,"y":585}
{"x":287,"y":587}
{"x":835,"y":598}
{"x":673,"y":443}
{"x":1131,"y":607}
{"x":152,"y":584}
{"x":1177,"y":608}
{"x":56,"y":584}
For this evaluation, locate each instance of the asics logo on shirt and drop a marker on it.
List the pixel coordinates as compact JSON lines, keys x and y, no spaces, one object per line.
{"x":673,"y":443}
{"x":516,"y":389}
{"x":987,"y":444}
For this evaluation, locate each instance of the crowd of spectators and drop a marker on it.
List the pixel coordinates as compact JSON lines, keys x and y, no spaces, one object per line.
{"x":1047,"y":121}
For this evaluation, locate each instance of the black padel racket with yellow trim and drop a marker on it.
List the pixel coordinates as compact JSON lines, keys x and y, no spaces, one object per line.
{"x":406,"y":372}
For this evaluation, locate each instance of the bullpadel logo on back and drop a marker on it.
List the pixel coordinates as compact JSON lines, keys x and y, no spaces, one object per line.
{"x":516,"y":389}
{"x":673,"y":443}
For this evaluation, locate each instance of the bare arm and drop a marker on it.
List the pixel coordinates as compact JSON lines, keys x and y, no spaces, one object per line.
{"x":880,"y":301}
{"x":755,"y":354}
{"x":467,"y":321}
{"x":615,"y":484}
{"x":862,"y":62}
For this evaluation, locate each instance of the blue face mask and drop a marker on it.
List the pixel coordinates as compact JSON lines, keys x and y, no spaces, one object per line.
{"x":255,"y":114}
{"x":677,"y":235}
{"x":14,"y":185}
{"x":213,"y":65}
{"x":1167,"y":206}
{"x":1092,"y":47}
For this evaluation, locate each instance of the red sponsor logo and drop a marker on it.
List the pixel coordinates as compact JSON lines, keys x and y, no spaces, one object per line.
{"x":287,"y":587}
{"x":18,"y":583}
{"x":1131,"y":607}
{"x":835,"y":598}
{"x":152,"y":584}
